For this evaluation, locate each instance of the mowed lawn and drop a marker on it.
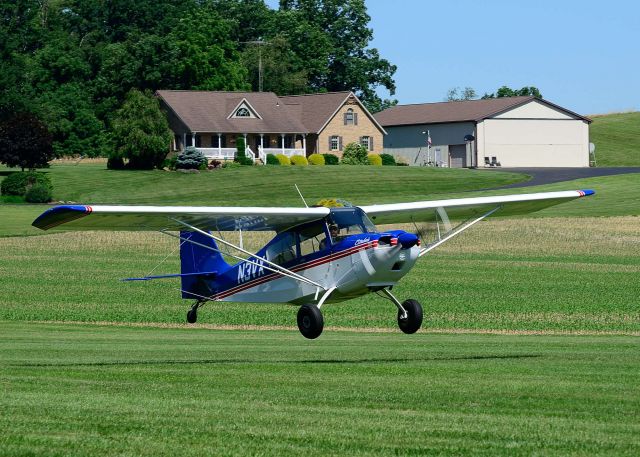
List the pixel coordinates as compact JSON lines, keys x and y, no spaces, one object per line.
{"x":617,"y":139}
{"x":549,"y":274}
{"x":90,"y":390}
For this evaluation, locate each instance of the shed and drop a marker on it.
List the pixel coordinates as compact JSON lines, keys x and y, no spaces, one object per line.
{"x":507,"y":132}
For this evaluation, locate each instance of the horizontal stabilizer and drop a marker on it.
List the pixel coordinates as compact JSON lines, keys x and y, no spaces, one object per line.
{"x":204,"y":274}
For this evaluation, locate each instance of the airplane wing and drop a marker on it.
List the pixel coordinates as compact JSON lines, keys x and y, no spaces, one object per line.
{"x":466,"y":208}
{"x":83,"y":217}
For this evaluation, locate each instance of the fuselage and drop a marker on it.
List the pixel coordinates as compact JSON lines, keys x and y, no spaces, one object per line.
{"x":356,"y":261}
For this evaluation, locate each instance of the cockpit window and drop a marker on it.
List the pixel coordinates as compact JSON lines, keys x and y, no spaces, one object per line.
{"x":349,"y":221}
{"x":283,"y":250}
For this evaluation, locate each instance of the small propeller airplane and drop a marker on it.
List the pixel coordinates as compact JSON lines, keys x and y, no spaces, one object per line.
{"x":319,"y":255}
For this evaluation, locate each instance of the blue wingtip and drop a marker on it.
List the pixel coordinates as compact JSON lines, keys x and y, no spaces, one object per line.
{"x":588,"y":192}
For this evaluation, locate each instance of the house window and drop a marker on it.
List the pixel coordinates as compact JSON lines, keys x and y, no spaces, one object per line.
{"x":350,"y":118}
{"x":334,"y":143}
{"x":243,"y":112}
{"x":366,"y":142}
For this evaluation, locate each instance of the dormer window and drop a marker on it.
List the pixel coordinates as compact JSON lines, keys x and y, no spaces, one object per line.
{"x":244,"y":110}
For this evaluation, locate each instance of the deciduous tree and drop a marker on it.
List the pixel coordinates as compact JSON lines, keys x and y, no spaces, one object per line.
{"x":25,"y":142}
{"x":141,"y":131}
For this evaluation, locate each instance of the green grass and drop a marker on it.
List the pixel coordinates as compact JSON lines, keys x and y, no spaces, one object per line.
{"x":87,"y":390}
{"x":617,"y":139}
{"x":526,"y":274}
{"x":264,"y":186}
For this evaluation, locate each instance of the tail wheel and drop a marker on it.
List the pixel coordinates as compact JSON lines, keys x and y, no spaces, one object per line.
{"x":310,"y":321}
{"x":413,"y":320}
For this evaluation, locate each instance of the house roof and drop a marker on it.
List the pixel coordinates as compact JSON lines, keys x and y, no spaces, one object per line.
{"x":316,"y":110}
{"x":458,"y":111}
{"x":208,"y":111}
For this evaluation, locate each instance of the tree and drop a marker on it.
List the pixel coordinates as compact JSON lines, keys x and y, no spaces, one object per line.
{"x":25,"y":142}
{"x":455,"y":94}
{"x":141,"y":131}
{"x":203,"y":55}
{"x":505,"y":91}
{"x":332,"y":37}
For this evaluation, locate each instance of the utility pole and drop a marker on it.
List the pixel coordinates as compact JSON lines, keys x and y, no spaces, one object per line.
{"x":258,"y":43}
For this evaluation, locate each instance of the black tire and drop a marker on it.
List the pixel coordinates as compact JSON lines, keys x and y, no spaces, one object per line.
{"x":413,"y":321}
{"x":192,"y":316}
{"x":310,"y":321}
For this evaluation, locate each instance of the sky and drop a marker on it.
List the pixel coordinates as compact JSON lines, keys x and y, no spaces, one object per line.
{"x":582,"y":55}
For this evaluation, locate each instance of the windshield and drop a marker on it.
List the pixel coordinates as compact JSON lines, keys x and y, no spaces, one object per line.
{"x":348,"y":221}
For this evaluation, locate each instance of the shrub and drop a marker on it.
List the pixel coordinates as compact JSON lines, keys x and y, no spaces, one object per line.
{"x":387,"y":159}
{"x":115,"y":163}
{"x":191,"y":159}
{"x":283,"y":159}
{"x":241,"y":157}
{"x":272,"y":160}
{"x":18,"y":183}
{"x":170,"y":163}
{"x":38,"y":193}
{"x":231,"y":165}
{"x":316,"y":159}
{"x":355,"y":154}
{"x":331,"y":159}
{"x":300,"y":161}
{"x":375,"y":159}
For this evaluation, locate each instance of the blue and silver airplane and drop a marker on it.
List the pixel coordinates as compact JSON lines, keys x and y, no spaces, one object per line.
{"x":319,"y":255}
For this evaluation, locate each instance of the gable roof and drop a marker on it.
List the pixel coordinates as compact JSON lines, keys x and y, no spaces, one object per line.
{"x":207,"y":111}
{"x":458,"y":111}
{"x":316,"y":110}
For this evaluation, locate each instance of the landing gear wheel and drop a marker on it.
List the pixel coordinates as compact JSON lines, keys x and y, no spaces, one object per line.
{"x":192,"y":315}
{"x":310,"y":321}
{"x":412,"y":322}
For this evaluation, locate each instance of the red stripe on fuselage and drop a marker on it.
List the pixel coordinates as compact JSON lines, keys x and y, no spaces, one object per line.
{"x":304,"y":266}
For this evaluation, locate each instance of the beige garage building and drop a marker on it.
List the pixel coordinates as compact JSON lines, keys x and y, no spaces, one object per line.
{"x":512,"y":132}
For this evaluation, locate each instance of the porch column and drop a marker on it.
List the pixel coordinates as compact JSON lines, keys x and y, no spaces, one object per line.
{"x":219,"y":144}
{"x":304,"y":143}
{"x":261,"y":143}
{"x":184,"y":141}
{"x":282,"y":141}
{"x":193,"y":139}
{"x":245,"y":143}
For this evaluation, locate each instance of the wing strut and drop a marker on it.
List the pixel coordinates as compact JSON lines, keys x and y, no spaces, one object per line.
{"x":456,"y":231}
{"x":275,"y":267}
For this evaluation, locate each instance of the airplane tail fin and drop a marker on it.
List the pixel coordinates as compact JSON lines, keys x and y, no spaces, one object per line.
{"x":199,"y":265}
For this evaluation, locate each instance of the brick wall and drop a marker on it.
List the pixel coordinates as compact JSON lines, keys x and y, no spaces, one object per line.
{"x":350,"y":133}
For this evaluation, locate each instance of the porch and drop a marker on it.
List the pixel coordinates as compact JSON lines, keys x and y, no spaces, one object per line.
{"x":222,"y":146}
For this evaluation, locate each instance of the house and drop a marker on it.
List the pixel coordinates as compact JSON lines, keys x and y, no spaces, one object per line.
{"x":507,"y":132}
{"x":292,"y":125}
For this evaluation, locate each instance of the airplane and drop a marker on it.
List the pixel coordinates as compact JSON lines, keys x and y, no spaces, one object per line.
{"x":319,"y":255}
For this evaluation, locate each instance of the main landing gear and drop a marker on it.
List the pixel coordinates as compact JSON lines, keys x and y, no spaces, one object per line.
{"x":310,"y":321}
{"x":409,"y":313}
{"x":192,"y":314}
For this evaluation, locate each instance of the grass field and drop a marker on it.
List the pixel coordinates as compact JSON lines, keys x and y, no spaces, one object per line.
{"x":615,"y":195}
{"x":523,"y":274}
{"x":87,"y":390}
{"x":263,"y":186}
{"x":125,"y":376}
{"x":617,"y":139}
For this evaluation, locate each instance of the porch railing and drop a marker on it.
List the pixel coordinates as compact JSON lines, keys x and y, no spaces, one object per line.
{"x":226,"y":153}
{"x":286,"y":151}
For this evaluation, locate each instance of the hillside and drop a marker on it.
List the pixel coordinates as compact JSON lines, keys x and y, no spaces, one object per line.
{"x":617,"y":139}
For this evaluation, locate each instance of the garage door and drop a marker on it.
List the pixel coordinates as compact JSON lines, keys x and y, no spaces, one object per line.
{"x":457,"y":156}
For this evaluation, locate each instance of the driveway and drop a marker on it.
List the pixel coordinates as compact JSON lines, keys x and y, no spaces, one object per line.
{"x":550,"y":175}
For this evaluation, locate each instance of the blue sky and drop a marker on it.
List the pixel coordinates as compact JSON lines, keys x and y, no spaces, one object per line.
{"x":583,"y":55}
